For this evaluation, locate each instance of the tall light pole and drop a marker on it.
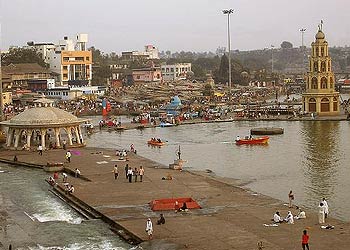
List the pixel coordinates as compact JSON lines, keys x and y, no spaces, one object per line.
{"x":228,"y":12}
{"x":1,"y":97}
{"x":302,"y":30}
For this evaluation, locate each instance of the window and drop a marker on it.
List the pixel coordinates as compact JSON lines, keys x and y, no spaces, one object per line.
{"x":323,"y":83}
{"x":87,"y":58}
{"x":65,"y":59}
{"x":65,"y":67}
{"x":314,"y":83}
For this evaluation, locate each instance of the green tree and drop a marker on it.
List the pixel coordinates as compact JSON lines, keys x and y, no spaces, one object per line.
{"x":286,"y":45}
{"x":22,"y":55}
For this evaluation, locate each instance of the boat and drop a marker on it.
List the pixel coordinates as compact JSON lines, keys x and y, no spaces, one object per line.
{"x":166,"y":124}
{"x":253,"y":141}
{"x":155,"y":143}
{"x":266,"y":131}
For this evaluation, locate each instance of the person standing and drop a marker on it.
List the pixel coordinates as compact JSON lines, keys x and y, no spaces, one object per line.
{"x":291,"y":198}
{"x":64,"y":145}
{"x":321,"y":209}
{"x":40,"y":149}
{"x":68,"y":156}
{"x":65,"y":177}
{"x":141,"y":173}
{"x":305,"y":240}
{"x":136,"y":172}
{"x":77,"y":173}
{"x":326,"y":208}
{"x":126,"y":170}
{"x":149,"y":228}
{"x":130,"y":174}
{"x":115,"y":171}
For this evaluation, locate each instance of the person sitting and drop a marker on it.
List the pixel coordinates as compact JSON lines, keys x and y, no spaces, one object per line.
{"x":159,"y":140}
{"x":77,"y":173}
{"x":277,"y":217}
{"x":161,"y":220}
{"x":238,"y":138}
{"x":301,"y":215}
{"x":289,"y":218}
{"x":184,"y":208}
{"x":52,"y":181}
{"x":177,"y":208}
{"x":71,"y":189}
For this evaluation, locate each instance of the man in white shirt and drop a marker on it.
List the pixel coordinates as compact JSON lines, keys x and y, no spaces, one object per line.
{"x":289,"y":219}
{"x":277,"y":217}
{"x":149,"y":228}
{"x":326,"y":208}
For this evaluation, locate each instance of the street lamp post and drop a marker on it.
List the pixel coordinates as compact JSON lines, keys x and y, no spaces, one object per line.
{"x":228,"y":12}
{"x":302,"y":30}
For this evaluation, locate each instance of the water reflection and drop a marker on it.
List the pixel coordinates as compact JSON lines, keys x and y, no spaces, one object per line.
{"x":321,"y":158}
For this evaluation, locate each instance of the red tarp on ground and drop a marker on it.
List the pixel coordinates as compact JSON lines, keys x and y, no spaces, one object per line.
{"x":169,"y":204}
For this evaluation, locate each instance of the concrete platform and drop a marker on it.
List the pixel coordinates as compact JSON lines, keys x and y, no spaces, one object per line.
{"x":230,"y":218}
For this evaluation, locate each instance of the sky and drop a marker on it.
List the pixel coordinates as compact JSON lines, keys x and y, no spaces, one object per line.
{"x":188,"y":25}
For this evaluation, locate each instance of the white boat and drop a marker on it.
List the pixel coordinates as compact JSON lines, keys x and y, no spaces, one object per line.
{"x":166,"y":124}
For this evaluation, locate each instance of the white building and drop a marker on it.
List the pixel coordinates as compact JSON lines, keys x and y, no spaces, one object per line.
{"x":70,"y":93}
{"x":151,"y":52}
{"x":69,"y":59}
{"x":176,"y":71}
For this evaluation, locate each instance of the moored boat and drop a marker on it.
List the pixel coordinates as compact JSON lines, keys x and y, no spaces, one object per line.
{"x":166,"y":124}
{"x":253,"y":141}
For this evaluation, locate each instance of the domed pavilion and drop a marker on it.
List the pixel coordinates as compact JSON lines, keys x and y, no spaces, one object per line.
{"x":41,"y":124}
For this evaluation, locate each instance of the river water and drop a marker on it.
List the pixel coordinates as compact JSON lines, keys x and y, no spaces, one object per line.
{"x":311,"y":157}
{"x":49,"y":223}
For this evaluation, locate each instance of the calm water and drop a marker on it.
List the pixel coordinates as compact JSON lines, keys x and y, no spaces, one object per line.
{"x":56,"y":225}
{"x":311,"y":158}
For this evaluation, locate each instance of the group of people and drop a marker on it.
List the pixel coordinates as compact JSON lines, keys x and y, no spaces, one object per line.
{"x":156,"y":140}
{"x":149,"y":225}
{"x":129,"y":173}
{"x":289,"y":218}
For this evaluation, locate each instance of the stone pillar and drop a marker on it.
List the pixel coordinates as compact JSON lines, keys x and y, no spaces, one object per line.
{"x":68,"y":129}
{"x":80,"y":134}
{"x":43,"y":133}
{"x":77,"y":134}
{"x":17,"y":133}
{"x":10,"y":137}
{"x":29,"y":137}
{"x":57,"y":135}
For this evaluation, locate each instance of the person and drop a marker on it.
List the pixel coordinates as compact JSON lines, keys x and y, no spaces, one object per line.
{"x":68,"y":155}
{"x":326,"y":208}
{"x":161,"y":220}
{"x":15,"y":159}
{"x":291,"y":198}
{"x":136,"y":172}
{"x":77,"y":172}
{"x":130,"y":174}
{"x":51,"y":181}
{"x":141,"y":173}
{"x":71,"y":189}
{"x":40,"y":149}
{"x":65,"y":176}
{"x":289,"y":218}
{"x":184,"y":207}
{"x":149,"y":228}
{"x":115,"y":171}
{"x":321,"y":210}
{"x":301,"y":215}
{"x":305,"y":240}
{"x":132,"y":148}
{"x":177,"y":208}
{"x":55,"y":176}
{"x":277,"y":217}
{"x":238,"y":138}
{"x":64,"y":145}
{"x":126,"y":170}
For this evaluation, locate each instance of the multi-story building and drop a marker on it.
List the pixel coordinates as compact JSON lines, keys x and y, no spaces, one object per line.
{"x":150,"y":52}
{"x":69,"y":59}
{"x":320,"y":96}
{"x":25,"y":75}
{"x":176,"y":71}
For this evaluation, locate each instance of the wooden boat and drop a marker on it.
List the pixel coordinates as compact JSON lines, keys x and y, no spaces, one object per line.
{"x":166,"y":124}
{"x":266,"y":131}
{"x":253,"y":141}
{"x":155,"y":143}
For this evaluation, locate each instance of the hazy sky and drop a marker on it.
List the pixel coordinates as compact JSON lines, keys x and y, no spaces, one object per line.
{"x":189,"y":25}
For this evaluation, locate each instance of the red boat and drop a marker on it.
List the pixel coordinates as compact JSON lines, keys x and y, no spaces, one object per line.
{"x":253,"y":141}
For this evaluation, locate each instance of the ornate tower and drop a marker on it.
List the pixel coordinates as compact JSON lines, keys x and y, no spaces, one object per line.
{"x":320,"y":96}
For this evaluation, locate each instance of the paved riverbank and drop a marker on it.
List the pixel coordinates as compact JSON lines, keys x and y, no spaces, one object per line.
{"x":230,"y":218}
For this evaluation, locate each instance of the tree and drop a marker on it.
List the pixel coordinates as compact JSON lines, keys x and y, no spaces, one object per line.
{"x":286,"y":45}
{"x":22,"y":55}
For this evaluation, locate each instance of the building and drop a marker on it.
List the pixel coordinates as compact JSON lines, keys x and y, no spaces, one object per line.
{"x":151,"y":52}
{"x":320,"y":96}
{"x":41,"y":121}
{"x":67,"y":93}
{"x":150,"y":74}
{"x":69,"y":59}
{"x":176,"y":71}
{"x":25,"y":75}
